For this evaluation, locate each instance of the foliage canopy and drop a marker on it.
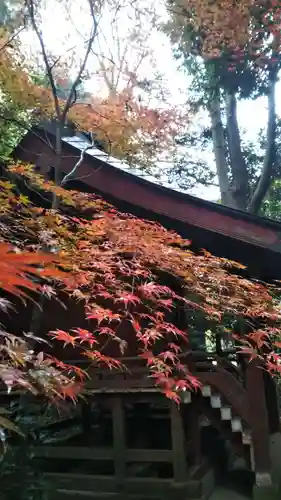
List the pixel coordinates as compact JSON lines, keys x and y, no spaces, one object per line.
{"x":131,"y":275}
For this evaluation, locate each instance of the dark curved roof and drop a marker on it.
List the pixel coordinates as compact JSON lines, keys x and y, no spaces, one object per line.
{"x":211,"y":225}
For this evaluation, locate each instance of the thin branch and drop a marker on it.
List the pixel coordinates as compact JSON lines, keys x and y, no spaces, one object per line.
{"x":70,"y":49}
{"x":122,"y":61}
{"x":82,"y":177}
{"x":30,"y":6}
{"x":71,"y":95}
{"x":101,"y":34}
{"x":9,"y":41}
{"x":71,"y":174}
{"x":107,"y":81}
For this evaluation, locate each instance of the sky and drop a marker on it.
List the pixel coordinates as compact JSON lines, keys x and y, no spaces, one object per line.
{"x":66,"y":29}
{"x":63,"y":31}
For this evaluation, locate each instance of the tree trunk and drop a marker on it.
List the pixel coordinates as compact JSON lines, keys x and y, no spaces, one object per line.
{"x":269,"y":158}
{"x":219,"y":147}
{"x":240,"y":181}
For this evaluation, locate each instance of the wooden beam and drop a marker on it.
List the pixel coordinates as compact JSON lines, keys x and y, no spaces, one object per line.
{"x":133,"y":487}
{"x":100,"y":453}
{"x":149,"y":455}
{"x":74,"y":452}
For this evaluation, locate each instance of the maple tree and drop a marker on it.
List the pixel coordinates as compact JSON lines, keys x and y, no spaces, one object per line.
{"x":130,"y":275}
{"x":231,"y":57}
{"x":128,"y":128}
{"x":250,"y":26}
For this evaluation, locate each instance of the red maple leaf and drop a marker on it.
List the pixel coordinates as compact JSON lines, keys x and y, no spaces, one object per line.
{"x":159,"y":316}
{"x":170,"y":328}
{"x":166,"y":304}
{"x":170,"y":394}
{"x":150,"y":336}
{"x":193,"y":381}
{"x":162,"y":379}
{"x":249,"y":351}
{"x":105,"y":330}
{"x":100,"y":314}
{"x":135,"y":325}
{"x":81,"y":374}
{"x":63,"y":336}
{"x":152,"y":290}
{"x":259,"y":337}
{"x":57,"y":362}
{"x":174,"y":347}
{"x":273,"y":363}
{"x":70,"y":391}
{"x":98,"y":357}
{"x":276,"y":357}
{"x":102,"y":292}
{"x":146,"y":355}
{"x":128,"y":298}
{"x":85,"y":336}
{"x":169,"y":355}
{"x":181,"y":385}
{"x":147,"y":316}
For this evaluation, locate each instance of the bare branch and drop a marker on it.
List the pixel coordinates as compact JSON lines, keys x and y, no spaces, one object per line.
{"x":71,"y":174}
{"x":70,"y":49}
{"x":72,"y":92}
{"x":30,"y":6}
{"x":109,"y":83}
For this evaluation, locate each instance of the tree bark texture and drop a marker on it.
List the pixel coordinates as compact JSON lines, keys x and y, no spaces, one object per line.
{"x":219,"y":147}
{"x":269,"y":158}
{"x":239,"y":174}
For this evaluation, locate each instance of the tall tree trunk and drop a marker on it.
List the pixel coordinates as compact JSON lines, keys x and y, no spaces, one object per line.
{"x":240,"y":180}
{"x":219,"y":146}
{"x":269,"y":158}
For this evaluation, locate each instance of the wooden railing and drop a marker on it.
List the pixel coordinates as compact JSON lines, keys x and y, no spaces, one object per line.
{"x":134,"y":472}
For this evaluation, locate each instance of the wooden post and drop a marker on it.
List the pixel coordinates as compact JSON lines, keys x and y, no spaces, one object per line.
{"x":272,"y":403}
{"x":178,"y":445}
{"x":195,"y":431}
{"x":119,"y":439}
{"x":86,"y":419}
{"x":260,"y":430}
